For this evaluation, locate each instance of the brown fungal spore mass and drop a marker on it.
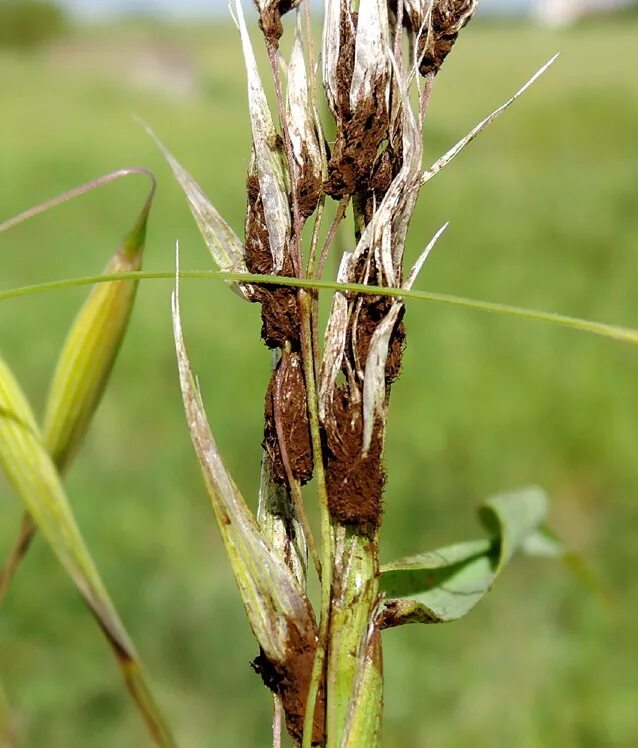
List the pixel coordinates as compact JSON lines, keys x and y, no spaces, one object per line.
{"x":291,"y":679}
{"x":286,"y":401}
{"x":354,"y":481}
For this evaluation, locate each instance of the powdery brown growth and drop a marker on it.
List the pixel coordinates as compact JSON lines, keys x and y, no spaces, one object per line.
{"x":362,"y":121}
{"x":286,"y":403}
{"x":354,"y":481}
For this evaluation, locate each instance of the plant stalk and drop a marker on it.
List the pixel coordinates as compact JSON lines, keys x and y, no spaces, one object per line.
{"x":317,"y":676}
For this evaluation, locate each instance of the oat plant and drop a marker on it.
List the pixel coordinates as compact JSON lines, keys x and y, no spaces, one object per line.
{"x":326,"y":406}
{"x":326,"y":403}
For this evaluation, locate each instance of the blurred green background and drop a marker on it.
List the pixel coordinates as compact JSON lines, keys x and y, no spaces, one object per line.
{"x":544,"y":213}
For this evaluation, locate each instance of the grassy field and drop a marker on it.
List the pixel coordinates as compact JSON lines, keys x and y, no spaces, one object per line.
{"x":544,"y":213}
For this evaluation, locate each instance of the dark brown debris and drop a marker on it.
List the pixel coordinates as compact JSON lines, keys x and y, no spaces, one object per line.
{"x":359,"y":136}
{"x":355,"y":481}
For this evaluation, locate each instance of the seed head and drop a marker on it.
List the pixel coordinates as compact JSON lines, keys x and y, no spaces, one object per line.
{"x":270,"y":13}
{"x":443,"y":21}
{"x":303,"y":130}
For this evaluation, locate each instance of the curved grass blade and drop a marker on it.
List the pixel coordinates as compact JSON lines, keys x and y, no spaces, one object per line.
{"x":31,"y":471}
{"x":83,"y":369}
{"x":593,"y":327}
{"x":445,"y":584}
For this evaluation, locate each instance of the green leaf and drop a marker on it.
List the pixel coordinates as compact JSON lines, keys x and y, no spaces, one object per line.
{"x":84,"y":367}
{"x":445,"y":584}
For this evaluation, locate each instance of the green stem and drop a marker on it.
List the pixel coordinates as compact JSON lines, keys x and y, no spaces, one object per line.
{"x":316,"y":677}
{"x":356,"y":585}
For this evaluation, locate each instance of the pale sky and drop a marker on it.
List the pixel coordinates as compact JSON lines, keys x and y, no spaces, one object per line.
{"x":211,"y":7}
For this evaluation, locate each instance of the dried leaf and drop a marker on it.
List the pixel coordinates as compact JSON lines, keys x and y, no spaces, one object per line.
{"x":445,"y":584}
{"x":374,"y":383}
{"x":226,"y":248}
{"x":371,"y":64}
{"x":279,"y":523}
{"x":331,"y":42}
{"x":416,"y":268}
{"x":301,"y":124}
{"x":397,"y":206}
{"x":334,"y":340}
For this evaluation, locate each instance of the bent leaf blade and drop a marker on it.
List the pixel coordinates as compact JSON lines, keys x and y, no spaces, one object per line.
{"x":444,"y":585}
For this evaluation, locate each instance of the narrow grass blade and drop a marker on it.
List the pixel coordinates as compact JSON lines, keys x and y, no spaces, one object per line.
{"x":456,"y":149}
{"x":30,"y":470}
{"x":445,"y":584}
{"x":278,"y":610}
{"x":84,"y":367}
{"x":615,"y":332}
{"x":374,"y":382}
{"x":65,"y":197}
